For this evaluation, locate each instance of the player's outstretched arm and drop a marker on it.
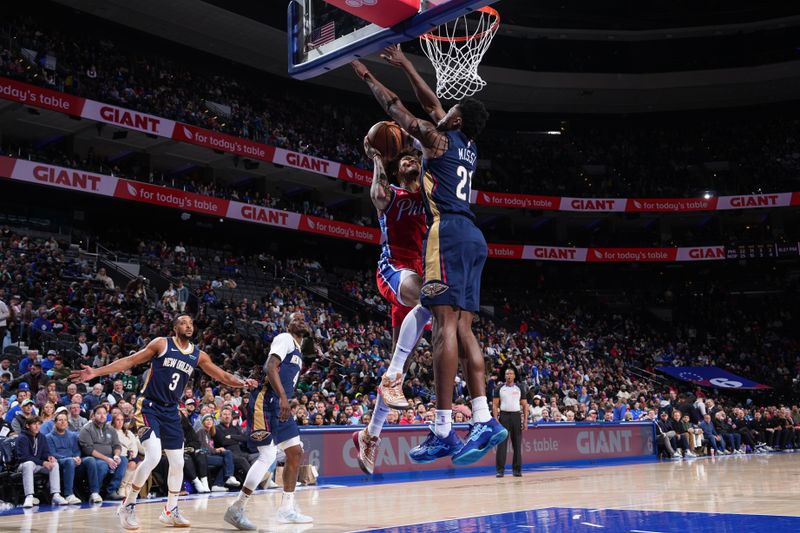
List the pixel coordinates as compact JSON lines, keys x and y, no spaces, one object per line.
{"x":434,"y":143}
{"x":215,"y":372}
{"x":425,"y":95}
{"x":87,"y":373}
{"x":379,"y":192}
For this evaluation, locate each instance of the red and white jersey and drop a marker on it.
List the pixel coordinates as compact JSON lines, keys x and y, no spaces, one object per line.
{"x":403,"y":229}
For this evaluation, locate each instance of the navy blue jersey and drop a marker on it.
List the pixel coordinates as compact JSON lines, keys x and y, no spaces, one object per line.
{"x":288,"y":351}
{"x":169,"y":372}
{"x":447,"y":180}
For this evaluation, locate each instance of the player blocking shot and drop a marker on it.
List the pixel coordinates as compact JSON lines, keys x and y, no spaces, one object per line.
{"x":172,"y":362}
{"x":454,"y":253}
{"x":274,"y":427}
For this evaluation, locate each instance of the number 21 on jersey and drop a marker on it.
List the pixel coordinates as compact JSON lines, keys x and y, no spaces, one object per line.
{"x":464,"y":187}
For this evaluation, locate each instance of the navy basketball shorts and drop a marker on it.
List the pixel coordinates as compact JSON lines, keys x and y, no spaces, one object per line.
{"x":454,"y":253}
{"x":267,"y":428}
{"x":160,"y":421}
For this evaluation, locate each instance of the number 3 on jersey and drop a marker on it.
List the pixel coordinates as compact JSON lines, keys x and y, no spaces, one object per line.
{"x":464,"y":187}
{"x":175,"y":378}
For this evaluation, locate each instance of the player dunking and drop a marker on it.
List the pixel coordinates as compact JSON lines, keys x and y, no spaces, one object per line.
{"x":172,"y":362}
{"x":274,"y":427}
{"x":402,"y":221}
{"x":454,"y":253}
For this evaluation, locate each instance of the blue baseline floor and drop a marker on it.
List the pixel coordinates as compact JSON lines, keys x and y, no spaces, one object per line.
{"x":567,"y":520}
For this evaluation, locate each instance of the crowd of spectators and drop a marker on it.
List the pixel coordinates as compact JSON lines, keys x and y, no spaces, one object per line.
{"x":581,"y":361}
{"x":741,"y":154}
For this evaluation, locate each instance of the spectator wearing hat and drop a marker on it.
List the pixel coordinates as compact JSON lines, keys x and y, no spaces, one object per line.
{"x":34,"y":456}
{"x":537,"y":408}
{"x":49,"y":361}
{"x":25,"y":412}
{"x":64,"y":446}
{"x":23,"y":393}
{"x":510,"y":407}
{"x":191,"y":411}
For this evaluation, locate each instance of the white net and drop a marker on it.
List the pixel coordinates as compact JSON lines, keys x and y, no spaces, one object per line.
{"x":456,"y":49}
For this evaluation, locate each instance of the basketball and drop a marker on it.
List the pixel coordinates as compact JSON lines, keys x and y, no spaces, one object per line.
{"x":387,"y":138}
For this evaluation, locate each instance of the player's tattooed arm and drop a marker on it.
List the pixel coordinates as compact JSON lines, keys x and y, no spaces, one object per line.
{"x":379,"y":191}
{"x":87,"y":373}
{"x":434,"y":143}
{"x":215,"y":372}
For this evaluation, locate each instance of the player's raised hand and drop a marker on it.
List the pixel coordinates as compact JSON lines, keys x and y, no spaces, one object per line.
{"x":370,"y":150}
{"x":360,"y":68}
{"x":86,"y":373}
{"x":394,"y":56}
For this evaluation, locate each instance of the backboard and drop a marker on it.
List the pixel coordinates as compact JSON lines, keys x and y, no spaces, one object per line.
{"x":323,"y":37}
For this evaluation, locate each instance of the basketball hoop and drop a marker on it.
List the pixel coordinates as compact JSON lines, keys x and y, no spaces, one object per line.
{"x":456,"y":49}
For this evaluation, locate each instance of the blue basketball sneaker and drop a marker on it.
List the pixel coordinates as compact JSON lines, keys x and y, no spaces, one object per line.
{"x":482,"y":437}
{"x":435,"y":447}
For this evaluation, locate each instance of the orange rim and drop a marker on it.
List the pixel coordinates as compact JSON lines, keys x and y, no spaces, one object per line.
{"x":486,"y":9}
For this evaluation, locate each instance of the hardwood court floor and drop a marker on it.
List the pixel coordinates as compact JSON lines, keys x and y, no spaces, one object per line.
{"x":753,"y":484}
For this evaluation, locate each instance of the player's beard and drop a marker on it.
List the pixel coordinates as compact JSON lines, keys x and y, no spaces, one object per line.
{"x":184,"y":336}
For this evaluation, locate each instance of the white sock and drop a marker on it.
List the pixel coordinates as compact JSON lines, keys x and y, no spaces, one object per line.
{"x":444,"y":422}
{"x":287,"y":502}
{"x":480,"y":410}
{"x":241,"y":499}
{"x":378,"y":418}
{"x":410,"y":331}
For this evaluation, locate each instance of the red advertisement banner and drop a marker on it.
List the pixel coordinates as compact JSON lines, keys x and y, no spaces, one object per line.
{"x":343,"y":230}
{"x":6,"y":166}
{"x":39,"y":97}
{"x":164,"y":196}
{"x":676,"y":205}
{"x":631,"y":255}
{"x":222,"y":141}
{"x":517,"y":201}
{"x":334,"y":454}
{"x":505,"y":251}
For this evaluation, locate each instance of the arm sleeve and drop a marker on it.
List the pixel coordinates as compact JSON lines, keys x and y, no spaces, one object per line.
{"x":45,"y":452}
{"x":85,"y":441}
{"x":76,"y":450}
{"x":25,"y":451}
{"x":116,"y":447}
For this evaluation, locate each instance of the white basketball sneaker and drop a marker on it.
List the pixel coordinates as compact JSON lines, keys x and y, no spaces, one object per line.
{"x":127,"y":516}
{"x":292,"y":515}
{"x":173,"y":518}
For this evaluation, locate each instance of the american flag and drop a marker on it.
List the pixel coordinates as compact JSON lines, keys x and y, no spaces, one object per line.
{"x":322,"y":35}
